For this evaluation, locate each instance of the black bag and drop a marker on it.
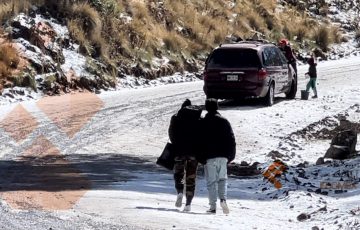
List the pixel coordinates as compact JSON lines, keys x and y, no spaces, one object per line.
{"x":167,"y":157}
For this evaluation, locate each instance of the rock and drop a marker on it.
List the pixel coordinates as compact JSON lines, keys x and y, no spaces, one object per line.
{"x":27,"y":81}
{"x":243,"y":170}
{"x":342,"y":145}
{"x":275,"y":155}
{"x":244,"y":163}
{"x":44,"y":36}
{"x":320,"y":161}
{"x":85,"y":83}
{"x":303,"y":217}
{"x":8,"y":84}
{"x":315,"y":228}
{"x":9,"y":95}
{"x":20,"y":31}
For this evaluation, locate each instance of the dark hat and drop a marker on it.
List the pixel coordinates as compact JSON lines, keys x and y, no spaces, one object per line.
{"x":187,"y":102}
{"x":211,"y":105}
{"x":311,"y":61}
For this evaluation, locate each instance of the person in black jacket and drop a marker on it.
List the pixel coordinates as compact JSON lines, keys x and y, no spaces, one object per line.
{"x":285,"y":47}
{"x":183,"y":135}
{"x":218,"y":149}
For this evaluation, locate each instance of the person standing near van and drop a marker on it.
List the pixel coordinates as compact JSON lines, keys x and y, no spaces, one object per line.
{"x":218,"y":149}
{"x":183,"y":131}
{"x":288,"y":52}
{"x":313,"y":76}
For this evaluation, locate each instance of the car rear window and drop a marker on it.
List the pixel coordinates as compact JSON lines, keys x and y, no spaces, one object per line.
{"x":233,"y":58}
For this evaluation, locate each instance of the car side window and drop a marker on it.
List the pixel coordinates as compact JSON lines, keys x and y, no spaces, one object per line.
{"x":282,"y":56}
{"x":267,"y":58}
{"x":276,"y":57}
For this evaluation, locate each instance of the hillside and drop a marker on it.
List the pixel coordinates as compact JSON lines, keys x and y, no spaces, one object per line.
{"x":150,"y":39}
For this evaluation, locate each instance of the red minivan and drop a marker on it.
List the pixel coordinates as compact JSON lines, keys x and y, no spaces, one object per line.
{"x":248,"y":69}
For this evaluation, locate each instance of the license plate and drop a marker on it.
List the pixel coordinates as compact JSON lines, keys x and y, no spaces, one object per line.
{"x":232,"y":77}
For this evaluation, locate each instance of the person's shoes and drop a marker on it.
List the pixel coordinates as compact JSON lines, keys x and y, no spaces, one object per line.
{"x":224,"y":207}
{"x":315,"y":96}
{"x":211,"y":211}
{"x":179,"y":198}
{"x":187,"y":208}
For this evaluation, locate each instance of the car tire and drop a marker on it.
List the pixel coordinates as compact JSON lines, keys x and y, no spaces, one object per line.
{"x":270,"y":96}
{"x":293,"y":88}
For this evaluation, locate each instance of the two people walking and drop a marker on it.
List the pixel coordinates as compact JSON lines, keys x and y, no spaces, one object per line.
{"x":209,"y":141}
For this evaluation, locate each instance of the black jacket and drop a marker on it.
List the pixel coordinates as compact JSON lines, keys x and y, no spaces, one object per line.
{"x":312,"y":71}
{"x":217,"y":138}
{"x":184,"y":132}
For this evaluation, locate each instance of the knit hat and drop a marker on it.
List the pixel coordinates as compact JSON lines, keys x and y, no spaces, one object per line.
{"x":187,"y":102}
{"x":311,"y":61}
{"x":211,"y":105}
{"x":283,"y":42}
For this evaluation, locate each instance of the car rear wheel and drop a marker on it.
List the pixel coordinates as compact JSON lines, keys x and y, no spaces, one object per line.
{"x":270,"y":96}
{"x":293,"y":88}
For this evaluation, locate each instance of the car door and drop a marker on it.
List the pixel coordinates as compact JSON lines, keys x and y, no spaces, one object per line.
{"x":273,"y":67}
{"x":285,"y":76}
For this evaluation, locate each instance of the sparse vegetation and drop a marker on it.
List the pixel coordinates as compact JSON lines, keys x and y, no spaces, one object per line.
{"x":357,"y":37}
{"x":134,"y":31}
{"x":322,"y":37}
{"x":9,"y":60}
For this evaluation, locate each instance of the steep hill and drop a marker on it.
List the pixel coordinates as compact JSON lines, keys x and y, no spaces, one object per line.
{"x":157,"y":38}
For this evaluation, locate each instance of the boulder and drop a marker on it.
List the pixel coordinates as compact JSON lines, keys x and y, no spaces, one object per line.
{"x":342,"y":145}
{"x":303,"y":217}
{"x":243,"y":170}
{"x":320,"y":161}
{"x":44,"y":36}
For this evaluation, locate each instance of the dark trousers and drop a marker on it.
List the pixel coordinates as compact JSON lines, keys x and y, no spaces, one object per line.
{"x":293,"y":64}
{"x":185,"y":171}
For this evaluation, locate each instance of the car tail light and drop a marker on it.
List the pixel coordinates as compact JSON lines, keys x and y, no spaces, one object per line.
{"x":262,"y":74}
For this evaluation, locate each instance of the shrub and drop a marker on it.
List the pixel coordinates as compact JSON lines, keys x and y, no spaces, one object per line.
{"x":300,"y":33}
{"x":255,"y":21}
{"x":173,"y":42}
{"x":336,"y":35}
{"x":322,"y":37}
{"x":4,"y":71}
{"x":357,"y":37}
{"x":9,"y":56}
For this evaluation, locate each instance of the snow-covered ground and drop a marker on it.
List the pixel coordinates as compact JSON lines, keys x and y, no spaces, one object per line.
{"x":116,"y":150}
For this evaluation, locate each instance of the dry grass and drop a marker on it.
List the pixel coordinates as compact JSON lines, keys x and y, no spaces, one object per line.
{"x":301,"y":32}
{"x":184,"y":27}
{"x":336,"y":35}
{"x":9,"y":56}
{"x":174,"y":42}
{"x":9,"y":60}
{"x":357,"y":37}
{"x":322,"y":37}
{"x":4,"y":71}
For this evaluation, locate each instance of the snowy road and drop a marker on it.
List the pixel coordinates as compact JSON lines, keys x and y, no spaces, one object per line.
{"x":89,"y":160}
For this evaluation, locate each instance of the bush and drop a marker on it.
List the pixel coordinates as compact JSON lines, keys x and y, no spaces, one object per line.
{"x":173,"y":42}
{"x":322,"y":37}
{"x":300,"y":33}
{"x":4,"y":71}
{"x":357,"y":37}
{"x":9,"y":56}
{"x":336,"y":35}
